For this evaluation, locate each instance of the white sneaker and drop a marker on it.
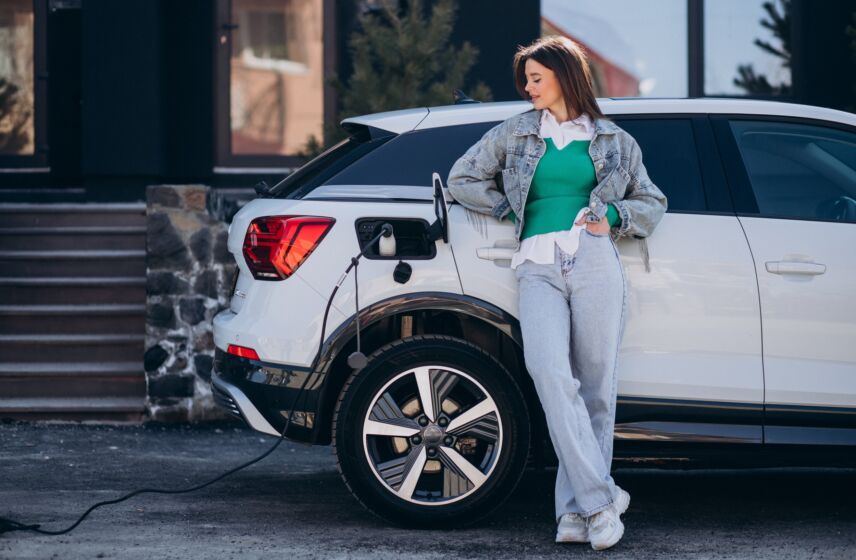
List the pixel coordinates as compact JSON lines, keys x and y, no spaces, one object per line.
{"x":605,"y":528}
{"x":622,"y":501}
{"x":572,"y":529}
{"x":572,"y":526}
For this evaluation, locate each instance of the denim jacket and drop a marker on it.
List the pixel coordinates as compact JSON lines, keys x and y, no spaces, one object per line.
{"x":494,"y":175}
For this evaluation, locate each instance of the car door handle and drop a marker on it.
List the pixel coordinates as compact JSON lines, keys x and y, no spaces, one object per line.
{"x":795,"y":267}
{"x":502,"y":250}
{"x":495,"y":253}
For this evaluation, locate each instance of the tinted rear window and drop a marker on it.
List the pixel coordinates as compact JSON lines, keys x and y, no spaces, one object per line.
{"x":317,"y":171}
{"x":410,"y":158}
{"x":670,"y":158}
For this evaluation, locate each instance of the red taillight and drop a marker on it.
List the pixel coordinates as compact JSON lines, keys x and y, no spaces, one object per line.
{"x":276,"y":245}
{"x":242,"y":352}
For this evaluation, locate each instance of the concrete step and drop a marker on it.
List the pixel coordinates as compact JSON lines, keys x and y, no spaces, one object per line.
{"x":61,"y":369}
{"x":22,"y":348}
{"x":72,"y":290}
{"x":72,"y":214}
{"x":69,"y":319}
{"x":122,"y":409}
{"x":72,"y":263}
{"x":75,"y":238}
{"x":35,"y":380}
{"x":42,"y":194}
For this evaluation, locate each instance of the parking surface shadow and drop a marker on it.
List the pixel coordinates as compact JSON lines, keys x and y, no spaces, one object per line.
{"x":294,"y":503}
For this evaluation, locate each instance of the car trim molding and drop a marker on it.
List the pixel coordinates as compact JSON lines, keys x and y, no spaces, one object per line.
{"x":396,"y":305}
{"x":250,"y":413}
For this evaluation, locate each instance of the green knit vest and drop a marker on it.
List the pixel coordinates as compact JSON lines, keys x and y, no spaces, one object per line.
{"x":561,"y":186}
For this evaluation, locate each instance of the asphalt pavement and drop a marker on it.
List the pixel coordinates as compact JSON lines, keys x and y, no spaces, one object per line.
{"x":294,"y":504}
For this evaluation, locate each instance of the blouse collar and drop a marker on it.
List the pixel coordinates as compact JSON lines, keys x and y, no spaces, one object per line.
{"x":582,"y":120}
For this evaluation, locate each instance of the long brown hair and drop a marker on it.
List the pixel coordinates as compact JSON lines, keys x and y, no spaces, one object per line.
{"x":570,"y":64}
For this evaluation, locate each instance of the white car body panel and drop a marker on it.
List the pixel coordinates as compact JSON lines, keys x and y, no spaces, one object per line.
{"x":399,"y":121}
{"x":380,"y":192}
{"x":292,"y":337}
{"x":809,"y":320}
{"x":394,"y":121}
{"x":693,"y":329}
{"x":692,"y":326}
{"x":470,"y":232}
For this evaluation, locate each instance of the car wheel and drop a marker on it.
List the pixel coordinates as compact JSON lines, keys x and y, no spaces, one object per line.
{"x":433,"y":432}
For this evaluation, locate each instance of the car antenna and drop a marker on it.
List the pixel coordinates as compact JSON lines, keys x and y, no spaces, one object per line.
{"x":461,"y":97}
{"x":262,"y":189}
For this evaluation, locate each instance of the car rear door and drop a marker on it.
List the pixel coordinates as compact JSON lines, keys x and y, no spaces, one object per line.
{"x":794,"y":184}
{"x":690,"y":359}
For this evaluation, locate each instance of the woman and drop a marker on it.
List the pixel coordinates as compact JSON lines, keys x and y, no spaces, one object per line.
{"x":573,"y":183}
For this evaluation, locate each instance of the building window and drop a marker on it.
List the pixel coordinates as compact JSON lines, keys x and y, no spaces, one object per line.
{"x":747,"y":48}
{"x":635,"y":49}
{"x":271,"y":62}
{"x":17,"y":78}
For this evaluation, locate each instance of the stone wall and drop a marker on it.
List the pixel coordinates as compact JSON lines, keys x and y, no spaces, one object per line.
{"x":189,"y":274}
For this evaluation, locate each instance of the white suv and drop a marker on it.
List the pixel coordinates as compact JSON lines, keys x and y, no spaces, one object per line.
{"x":740,"y":342}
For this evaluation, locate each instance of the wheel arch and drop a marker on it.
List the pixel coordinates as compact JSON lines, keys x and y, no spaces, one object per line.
{"x":471,"y":319}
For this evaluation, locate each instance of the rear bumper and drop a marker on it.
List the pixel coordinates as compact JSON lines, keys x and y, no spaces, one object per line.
{"x":236,"y":403}
{"x":261,"y":394}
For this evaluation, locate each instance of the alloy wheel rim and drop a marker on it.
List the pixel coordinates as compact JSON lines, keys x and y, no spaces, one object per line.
{"x":432,"y":435}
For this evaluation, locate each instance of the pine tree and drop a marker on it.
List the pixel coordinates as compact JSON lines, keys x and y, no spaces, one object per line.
{"x":15,"y":119}
{"x":402,"y":59}
{"x":780,"y":25}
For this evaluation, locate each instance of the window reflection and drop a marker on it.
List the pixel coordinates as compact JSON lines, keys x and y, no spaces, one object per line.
{"x":747,"y":47}
{"x":635,"y":48}
{"x":276,"y":86}
{"x":800,"y":171}
{"x":17,"y":130}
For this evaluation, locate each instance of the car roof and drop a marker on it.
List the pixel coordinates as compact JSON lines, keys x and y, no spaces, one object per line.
{"x":470,"y":113}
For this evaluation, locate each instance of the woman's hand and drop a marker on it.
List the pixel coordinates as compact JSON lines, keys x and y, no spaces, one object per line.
{"x":597,"y":228}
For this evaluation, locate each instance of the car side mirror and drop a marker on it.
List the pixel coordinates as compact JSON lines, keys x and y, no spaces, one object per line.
{"x":440,"y":228}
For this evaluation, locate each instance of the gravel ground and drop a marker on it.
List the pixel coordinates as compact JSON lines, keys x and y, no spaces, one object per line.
{"x":294,"y":503}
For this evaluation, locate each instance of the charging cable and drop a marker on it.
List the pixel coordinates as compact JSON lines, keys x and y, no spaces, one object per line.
{"x":357,"y":360}
{"x":9,"y":525}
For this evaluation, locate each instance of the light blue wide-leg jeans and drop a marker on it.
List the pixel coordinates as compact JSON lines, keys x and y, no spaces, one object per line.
{"x":572,"y":321}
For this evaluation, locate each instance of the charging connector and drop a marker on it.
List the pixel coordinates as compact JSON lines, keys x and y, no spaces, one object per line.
{"x":387,"y":245}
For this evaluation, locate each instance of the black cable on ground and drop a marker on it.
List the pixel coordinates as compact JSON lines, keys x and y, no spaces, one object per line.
{"x":10,"y":525}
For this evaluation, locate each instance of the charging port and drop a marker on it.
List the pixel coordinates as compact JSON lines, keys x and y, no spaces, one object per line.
{"x":411,"y":238}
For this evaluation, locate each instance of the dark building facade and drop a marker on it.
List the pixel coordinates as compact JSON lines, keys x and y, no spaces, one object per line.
{"x":123,"y":94}
{"x":220,"y":92}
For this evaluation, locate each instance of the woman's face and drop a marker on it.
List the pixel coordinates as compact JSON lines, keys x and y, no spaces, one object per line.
{"x":544,"y":89}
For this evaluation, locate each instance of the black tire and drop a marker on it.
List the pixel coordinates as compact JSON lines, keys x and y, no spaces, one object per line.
{"x":455,"y":495}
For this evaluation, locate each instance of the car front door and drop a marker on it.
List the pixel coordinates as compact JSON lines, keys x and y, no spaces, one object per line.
{"x":795,"y":187}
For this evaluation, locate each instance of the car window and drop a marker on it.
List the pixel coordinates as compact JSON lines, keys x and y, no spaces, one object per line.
{"x":410,"y":158}
{"x":317,"y":171}
{"x":671,"y":160}
{"x":798,"y":170}
{"x":667,"y":145}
